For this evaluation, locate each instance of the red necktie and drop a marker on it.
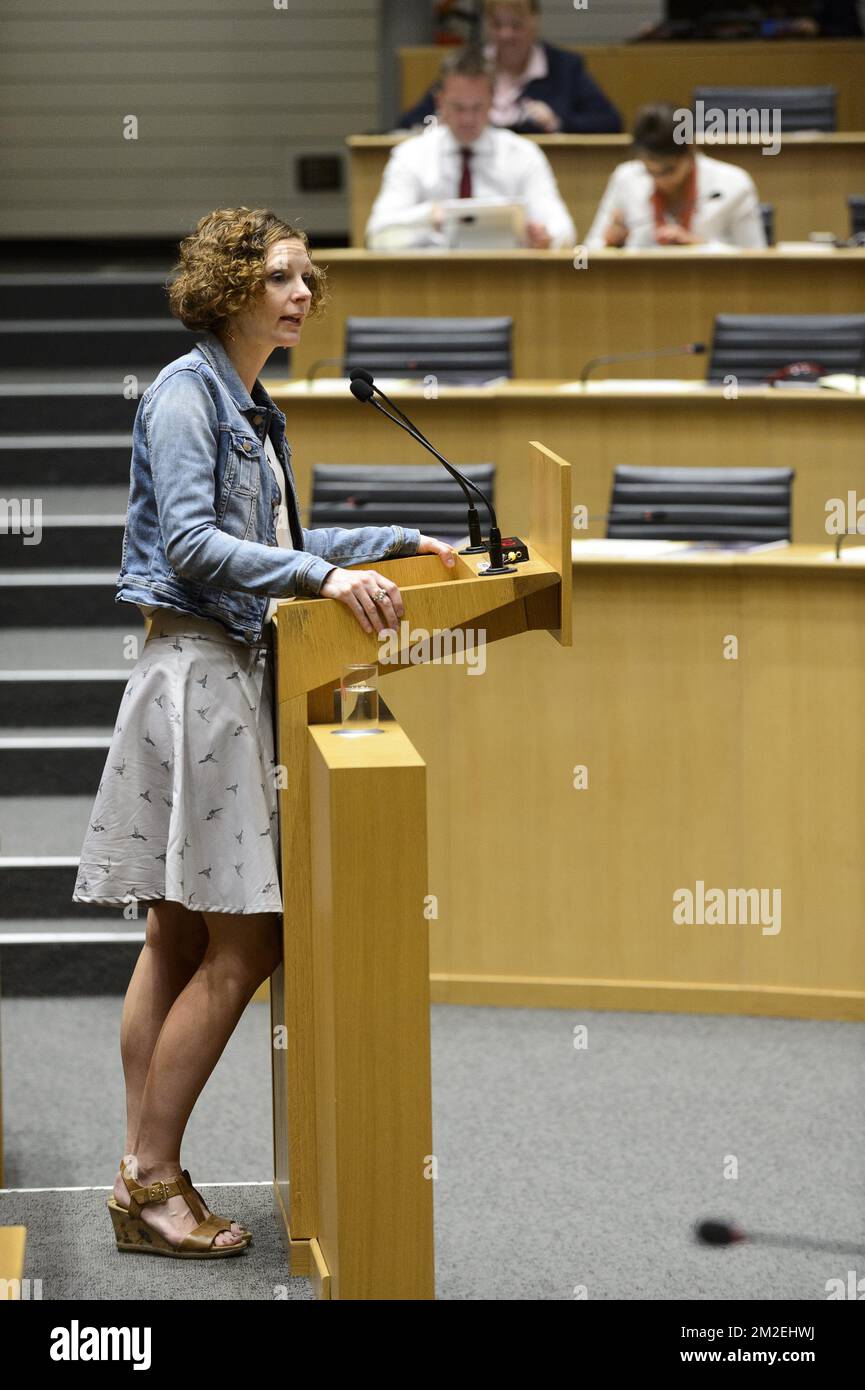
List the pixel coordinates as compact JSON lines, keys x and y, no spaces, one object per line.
{"x":466,"y":178}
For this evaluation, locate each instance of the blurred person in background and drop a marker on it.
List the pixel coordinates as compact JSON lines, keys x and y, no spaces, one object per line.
{"x":462,"y":156}
{"x":538,"y":89}
{"x":795,"y":19}
{"x":668,"y":195}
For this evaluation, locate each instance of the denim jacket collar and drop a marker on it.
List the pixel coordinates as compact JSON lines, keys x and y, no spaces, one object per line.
{"x":259,"y":403}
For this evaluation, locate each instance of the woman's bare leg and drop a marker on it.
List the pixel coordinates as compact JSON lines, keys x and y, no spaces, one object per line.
{"x":242,"y":951}
{"x":175,"y":942}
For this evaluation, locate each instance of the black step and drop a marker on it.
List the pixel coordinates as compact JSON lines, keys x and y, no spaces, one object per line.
{"x":71,"y":407}
{"x":91,"y":342}
{"x":61,"y":541}
{"x":63,"y":460}
{"x":46,"y":597}
{"x":42,"y":886}
{"x":52,"y":763}
{"x":75,"y":957}
{"x":64,"y":699}
{"x":94,"y":294}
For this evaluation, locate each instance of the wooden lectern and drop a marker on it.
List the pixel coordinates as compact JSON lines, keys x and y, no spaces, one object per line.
{"x":353,"y":1156}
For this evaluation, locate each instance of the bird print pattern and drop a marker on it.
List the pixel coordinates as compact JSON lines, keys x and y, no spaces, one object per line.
{"x":190,"y":770}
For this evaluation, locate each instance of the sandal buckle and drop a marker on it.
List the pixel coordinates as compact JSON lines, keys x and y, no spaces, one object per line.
{"x":158,"y":1192}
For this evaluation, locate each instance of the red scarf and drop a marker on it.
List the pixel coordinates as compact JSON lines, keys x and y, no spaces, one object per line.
{"x":660,"y":206}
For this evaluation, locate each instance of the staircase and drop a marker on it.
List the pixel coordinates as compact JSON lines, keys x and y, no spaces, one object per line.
{"x":77,"y":350}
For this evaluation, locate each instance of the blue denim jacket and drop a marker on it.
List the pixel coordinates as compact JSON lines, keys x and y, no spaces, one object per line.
{"x":200,"y":531}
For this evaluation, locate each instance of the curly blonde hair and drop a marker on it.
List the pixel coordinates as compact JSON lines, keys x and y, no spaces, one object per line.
{"x":221,"y":266}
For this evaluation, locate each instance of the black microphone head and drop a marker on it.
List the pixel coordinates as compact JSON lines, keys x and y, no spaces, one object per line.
{"x":717,"y":1233}
{"x":698,"y":347}
{"x":361,"y":390}
{"x":361,"y":374}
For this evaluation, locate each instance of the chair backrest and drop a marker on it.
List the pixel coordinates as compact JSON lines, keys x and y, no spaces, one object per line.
{"x":701,"y":504}
{"x":767,"y":212}
{"x":802,"y":108}
{"x":856,"y":204}
{"x":751,"y":347}
{"x":425,"y":496}
{"x":464,"y":349}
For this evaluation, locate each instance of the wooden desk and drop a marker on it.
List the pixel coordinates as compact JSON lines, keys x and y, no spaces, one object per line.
{"x":736,"y":774}
{"x":13,"y":1240}
{"x":636,"y":73}
{"x":817,"y":433}
{"x":807,"y":181}
{"x":623,"y":301}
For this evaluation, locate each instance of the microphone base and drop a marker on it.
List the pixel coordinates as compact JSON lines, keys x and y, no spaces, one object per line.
{"x":494,"y":548}
{"x":474,"y":550}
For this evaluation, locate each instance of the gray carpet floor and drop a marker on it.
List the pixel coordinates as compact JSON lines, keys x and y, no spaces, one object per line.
{"x":559,"y":1171}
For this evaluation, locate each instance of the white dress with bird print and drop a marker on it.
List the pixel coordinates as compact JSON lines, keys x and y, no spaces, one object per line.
{"x":187,"y":806}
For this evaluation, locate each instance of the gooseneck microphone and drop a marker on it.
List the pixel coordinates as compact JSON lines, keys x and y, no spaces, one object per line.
{"x":361,"y":374}
{"x":364,"y":390}
{"x":476,"y":543}
{"x":320,"y":362}
{"x":685,"y":350}
{"x":725,"y":1233}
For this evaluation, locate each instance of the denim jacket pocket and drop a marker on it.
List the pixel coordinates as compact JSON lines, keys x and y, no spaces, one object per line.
{"x":243,"y":470}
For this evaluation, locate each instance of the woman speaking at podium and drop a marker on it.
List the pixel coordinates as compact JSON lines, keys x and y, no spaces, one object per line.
{"x":185,"y":817}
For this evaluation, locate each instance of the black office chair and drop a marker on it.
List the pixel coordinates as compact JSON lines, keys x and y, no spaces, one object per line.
{"x":856,"y":204}
{"x":425,"y":496}
{"x":802,"y":108}
{"x":751,"y":347}
{"x":466,"y":350}
{"x":767,"y":212}
{"x":701,"y":504}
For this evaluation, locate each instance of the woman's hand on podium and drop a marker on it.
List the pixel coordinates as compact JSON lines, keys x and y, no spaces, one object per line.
{"x":430,"y":546}
{"x":357,"y":589}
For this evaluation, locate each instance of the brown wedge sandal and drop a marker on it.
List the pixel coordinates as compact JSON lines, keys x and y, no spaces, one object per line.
{"x":242,"y":1229}
{"x":132,"y":1233}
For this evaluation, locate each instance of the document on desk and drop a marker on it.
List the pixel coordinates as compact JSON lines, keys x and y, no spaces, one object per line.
{"x":850,"y":555}
{"x":636,"y":384}
{"x":326,"y":385}
{"x":806,"y":248}
{"x":697,"y":248}
{"x":636,"y":549}
{"x":844,"y":381}
{"x":734,"y":547}
{"x":323,"y":385}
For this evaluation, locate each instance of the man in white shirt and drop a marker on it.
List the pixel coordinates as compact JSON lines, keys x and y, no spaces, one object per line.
{"x":461,"y":155}
{"x":670,"y":196}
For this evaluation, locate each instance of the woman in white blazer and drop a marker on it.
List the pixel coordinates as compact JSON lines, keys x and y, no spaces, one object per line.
{"x":668,"y":195}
